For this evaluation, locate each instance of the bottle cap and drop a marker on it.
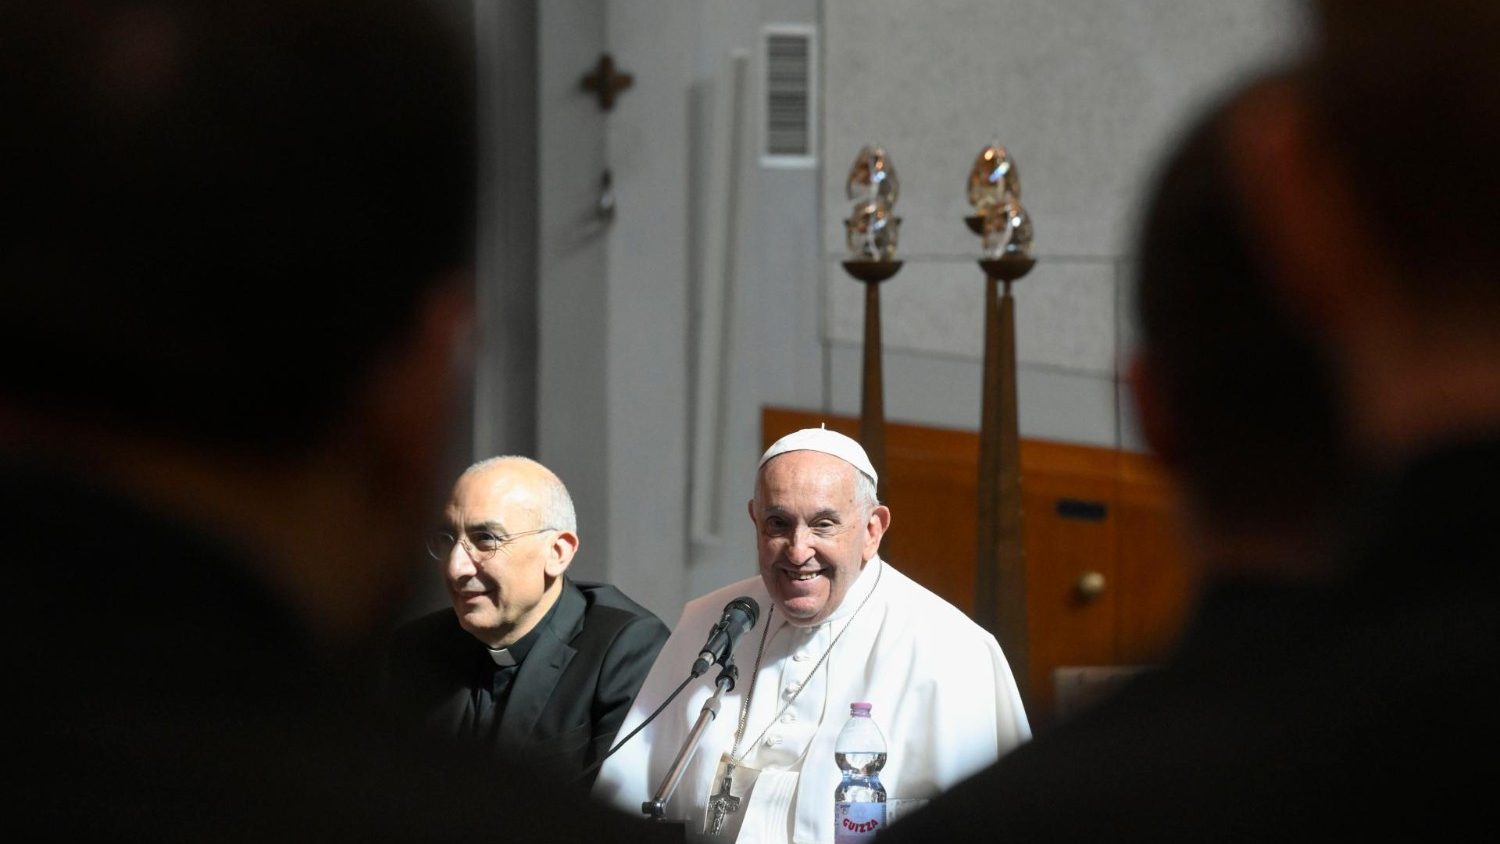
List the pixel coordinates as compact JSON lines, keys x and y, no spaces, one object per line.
{"x":859,"y":708}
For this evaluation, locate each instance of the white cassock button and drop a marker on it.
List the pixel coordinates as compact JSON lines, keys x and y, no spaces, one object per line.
{"x":791,"y":690}
{"x":772,"y":741}
{"x":800,"y":657}
{"x":788,"y":718}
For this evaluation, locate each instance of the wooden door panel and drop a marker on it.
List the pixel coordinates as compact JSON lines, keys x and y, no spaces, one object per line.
{"x":934,"y":483}
{"x":1065,"y":626}
{"x":1156,"y":584}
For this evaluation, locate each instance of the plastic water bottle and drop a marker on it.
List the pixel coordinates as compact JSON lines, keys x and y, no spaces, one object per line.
{"x":859,"y":800}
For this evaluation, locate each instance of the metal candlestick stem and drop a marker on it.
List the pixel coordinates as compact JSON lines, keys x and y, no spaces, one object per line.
{"x":872,"y":390}
{"x":1000,"y":570}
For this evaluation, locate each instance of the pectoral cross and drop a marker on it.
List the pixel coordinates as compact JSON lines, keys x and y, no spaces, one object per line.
{"x":723,"y":804}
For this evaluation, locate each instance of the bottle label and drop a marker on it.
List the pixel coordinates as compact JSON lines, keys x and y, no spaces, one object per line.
{"x":857,"y":822}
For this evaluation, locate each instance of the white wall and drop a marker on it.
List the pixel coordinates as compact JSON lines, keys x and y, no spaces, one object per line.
{"x":1083,"y":92}
{"x":647,"y":147}
{"x":573,"y":306}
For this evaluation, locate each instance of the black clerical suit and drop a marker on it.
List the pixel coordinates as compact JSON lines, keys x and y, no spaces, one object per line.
{"x":559,"y":708}
{"x":1363,"y":707}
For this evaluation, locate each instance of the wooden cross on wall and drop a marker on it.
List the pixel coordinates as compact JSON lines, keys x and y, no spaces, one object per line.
{"x":605,"y":82}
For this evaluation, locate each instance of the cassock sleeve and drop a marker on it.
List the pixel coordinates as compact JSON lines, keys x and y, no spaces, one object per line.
{"x":624,"y":670}
{"x":623,"y":781}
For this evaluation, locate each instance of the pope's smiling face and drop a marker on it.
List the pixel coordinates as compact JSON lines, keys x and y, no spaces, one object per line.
{"x":813,"y":533}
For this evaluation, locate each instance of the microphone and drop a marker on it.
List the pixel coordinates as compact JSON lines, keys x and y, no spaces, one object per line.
{"x":739,"y":616}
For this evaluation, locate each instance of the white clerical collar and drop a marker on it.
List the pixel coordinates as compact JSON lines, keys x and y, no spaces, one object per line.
{"x":862,"y":586}
{"x":502,"y":657}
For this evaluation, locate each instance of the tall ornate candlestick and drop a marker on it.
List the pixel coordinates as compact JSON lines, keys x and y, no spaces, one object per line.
{"x":1000,"y":563}
{"x":871,"y":234}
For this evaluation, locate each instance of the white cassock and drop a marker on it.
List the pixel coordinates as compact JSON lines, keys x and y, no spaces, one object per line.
{"x":941,"y":692}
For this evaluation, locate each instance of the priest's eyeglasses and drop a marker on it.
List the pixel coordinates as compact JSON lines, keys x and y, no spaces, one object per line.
{"x":480,"y":545}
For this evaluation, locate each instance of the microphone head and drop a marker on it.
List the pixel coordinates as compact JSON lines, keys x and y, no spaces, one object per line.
{"x":746,"y":605}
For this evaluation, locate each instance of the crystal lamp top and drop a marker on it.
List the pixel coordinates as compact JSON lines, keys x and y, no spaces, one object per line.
{"x":871,"y":232}
{"x":993,"y":179}
{"x":1007,"y":231}
{"x":872,"y":178}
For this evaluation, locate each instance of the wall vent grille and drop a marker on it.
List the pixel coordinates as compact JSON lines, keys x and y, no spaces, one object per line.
{"x":790,"y":55}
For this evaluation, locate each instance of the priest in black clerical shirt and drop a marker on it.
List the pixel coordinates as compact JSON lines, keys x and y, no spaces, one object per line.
{"x":497,"y":670}
{"x":540,"y":668}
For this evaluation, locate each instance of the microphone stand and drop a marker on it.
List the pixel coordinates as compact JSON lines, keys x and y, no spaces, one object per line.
{"x":656,"y":807}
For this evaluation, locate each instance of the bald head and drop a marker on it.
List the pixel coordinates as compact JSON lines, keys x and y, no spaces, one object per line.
{"x":553,"y":504}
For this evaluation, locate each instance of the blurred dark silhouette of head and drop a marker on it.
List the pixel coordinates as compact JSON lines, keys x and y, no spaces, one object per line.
{"x":220,"y":215}
{"x":1372,"y":175}
{"x":1406,"y":94}
{"x":235,"y":271}
{"x":1233,"y":394}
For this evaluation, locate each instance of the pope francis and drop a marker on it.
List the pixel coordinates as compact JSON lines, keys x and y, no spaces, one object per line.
{"x":841,"y":625}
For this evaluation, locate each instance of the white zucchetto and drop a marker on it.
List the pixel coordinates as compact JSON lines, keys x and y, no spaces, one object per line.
{"x":826,"y":441}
